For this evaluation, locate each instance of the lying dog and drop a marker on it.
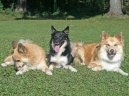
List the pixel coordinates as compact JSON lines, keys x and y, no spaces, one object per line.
{"x":25,"y":56}
{"x":60,"y":50}
{"x":106,"y":55}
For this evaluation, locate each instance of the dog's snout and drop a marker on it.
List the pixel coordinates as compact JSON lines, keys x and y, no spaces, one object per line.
{"x":56,"y":43}
{"x":112,"y":50}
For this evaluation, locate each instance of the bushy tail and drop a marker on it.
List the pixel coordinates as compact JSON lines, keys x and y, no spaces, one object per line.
{"x":75,"y":46}
{"x":78,"y":52}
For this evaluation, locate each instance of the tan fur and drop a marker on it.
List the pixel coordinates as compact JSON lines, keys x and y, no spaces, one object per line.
{"x":8,"y":60}
{"x":32,"y":54}
{"x":83,"y":53}
{"x":90,"y":54}
{"x":89,"y":51}
{"x":78,"y":52}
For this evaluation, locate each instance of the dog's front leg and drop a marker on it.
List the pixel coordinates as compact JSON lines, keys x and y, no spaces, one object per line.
{"x":51,"y":67}
{"x":121,"y":71}
{"x":70,"y":68}
{"x":95,"y":66}
{"x":8,"y":61}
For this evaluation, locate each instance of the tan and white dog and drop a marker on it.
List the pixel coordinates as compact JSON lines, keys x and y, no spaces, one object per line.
{"x":25,"y":56}
{"x":106,"y":55}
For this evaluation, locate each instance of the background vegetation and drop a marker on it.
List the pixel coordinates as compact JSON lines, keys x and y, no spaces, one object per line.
{"x":58,"y":9}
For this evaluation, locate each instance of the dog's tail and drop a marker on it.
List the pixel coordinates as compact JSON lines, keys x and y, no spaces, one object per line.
{"x":75,"y":46}
{"x":78,"y":52}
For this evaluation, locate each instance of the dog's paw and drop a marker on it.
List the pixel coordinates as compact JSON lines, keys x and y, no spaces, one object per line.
{"x":120,"y":71}
{"x":19,"y":73}
{"x":58,"y":66}
{"x":3,"y":64}
{"x":96,"y":69}
{"x":82,"y":63}
{"x":125,"y":74}
{"x":73,"y":70}
{"x":48,"y":72}
{"x":51,"y":68}
{"x":70,"y":68}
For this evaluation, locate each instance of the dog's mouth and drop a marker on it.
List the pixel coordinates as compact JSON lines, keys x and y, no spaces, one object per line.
{"x":56,"y":47}
{"x":111,"y":54}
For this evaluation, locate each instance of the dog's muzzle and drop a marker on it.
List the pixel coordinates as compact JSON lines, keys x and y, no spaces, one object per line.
{"x":111,"y":53}
{"x":57,"y":45}
{"x":17,"y":68}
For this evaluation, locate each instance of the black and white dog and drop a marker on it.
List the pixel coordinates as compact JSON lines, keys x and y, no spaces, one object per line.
{"x":60,"y":50}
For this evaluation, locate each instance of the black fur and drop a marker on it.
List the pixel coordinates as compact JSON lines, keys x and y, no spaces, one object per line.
{"x":58,"y":37}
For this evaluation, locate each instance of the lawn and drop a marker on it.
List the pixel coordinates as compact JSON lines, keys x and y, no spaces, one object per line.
{"x":63,"y":82}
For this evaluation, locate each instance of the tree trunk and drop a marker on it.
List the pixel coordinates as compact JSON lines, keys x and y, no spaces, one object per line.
{"x":55,"y":5}
{"x":21,"y":6}
{"x":115,"y":8}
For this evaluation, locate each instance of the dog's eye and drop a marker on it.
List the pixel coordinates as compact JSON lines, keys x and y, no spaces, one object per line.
{"x":17,"y":60}
{"x":107,"y":45}
{"x":115,"y":44}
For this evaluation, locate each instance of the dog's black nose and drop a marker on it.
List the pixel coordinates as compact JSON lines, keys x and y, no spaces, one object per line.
{"x":16,"y":69}
{"x":112,"y":51}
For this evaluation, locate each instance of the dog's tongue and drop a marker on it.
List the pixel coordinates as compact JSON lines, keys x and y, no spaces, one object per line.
{"x":57,"y":48}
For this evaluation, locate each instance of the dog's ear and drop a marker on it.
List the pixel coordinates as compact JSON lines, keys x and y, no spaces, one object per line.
{"x":21,"y":48}
{"x":104,"y":36}
{"x":120,"y":37}
{"x":53,"y":30}
{"x":98,"y":46}
{"x":14,"y":44}
{"x":66,"y":30}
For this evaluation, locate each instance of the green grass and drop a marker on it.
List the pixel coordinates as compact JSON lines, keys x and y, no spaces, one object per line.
{"x":63,"y":82}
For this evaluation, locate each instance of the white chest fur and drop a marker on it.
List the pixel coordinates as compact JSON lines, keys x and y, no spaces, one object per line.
{"x":110,"y":66}
{"x":60,"y":60}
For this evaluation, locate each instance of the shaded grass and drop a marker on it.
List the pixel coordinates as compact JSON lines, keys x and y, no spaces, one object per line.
{"x":63,"y":82}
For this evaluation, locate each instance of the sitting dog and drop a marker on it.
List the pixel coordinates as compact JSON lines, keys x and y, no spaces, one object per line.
{"x":106,"y":55}
{"x":60,"y":50}
{"x":25,"y":56}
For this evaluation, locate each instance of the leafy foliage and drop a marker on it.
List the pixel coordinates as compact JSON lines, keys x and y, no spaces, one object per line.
{"x":61,"y":8}
{"x":126,"y":6}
